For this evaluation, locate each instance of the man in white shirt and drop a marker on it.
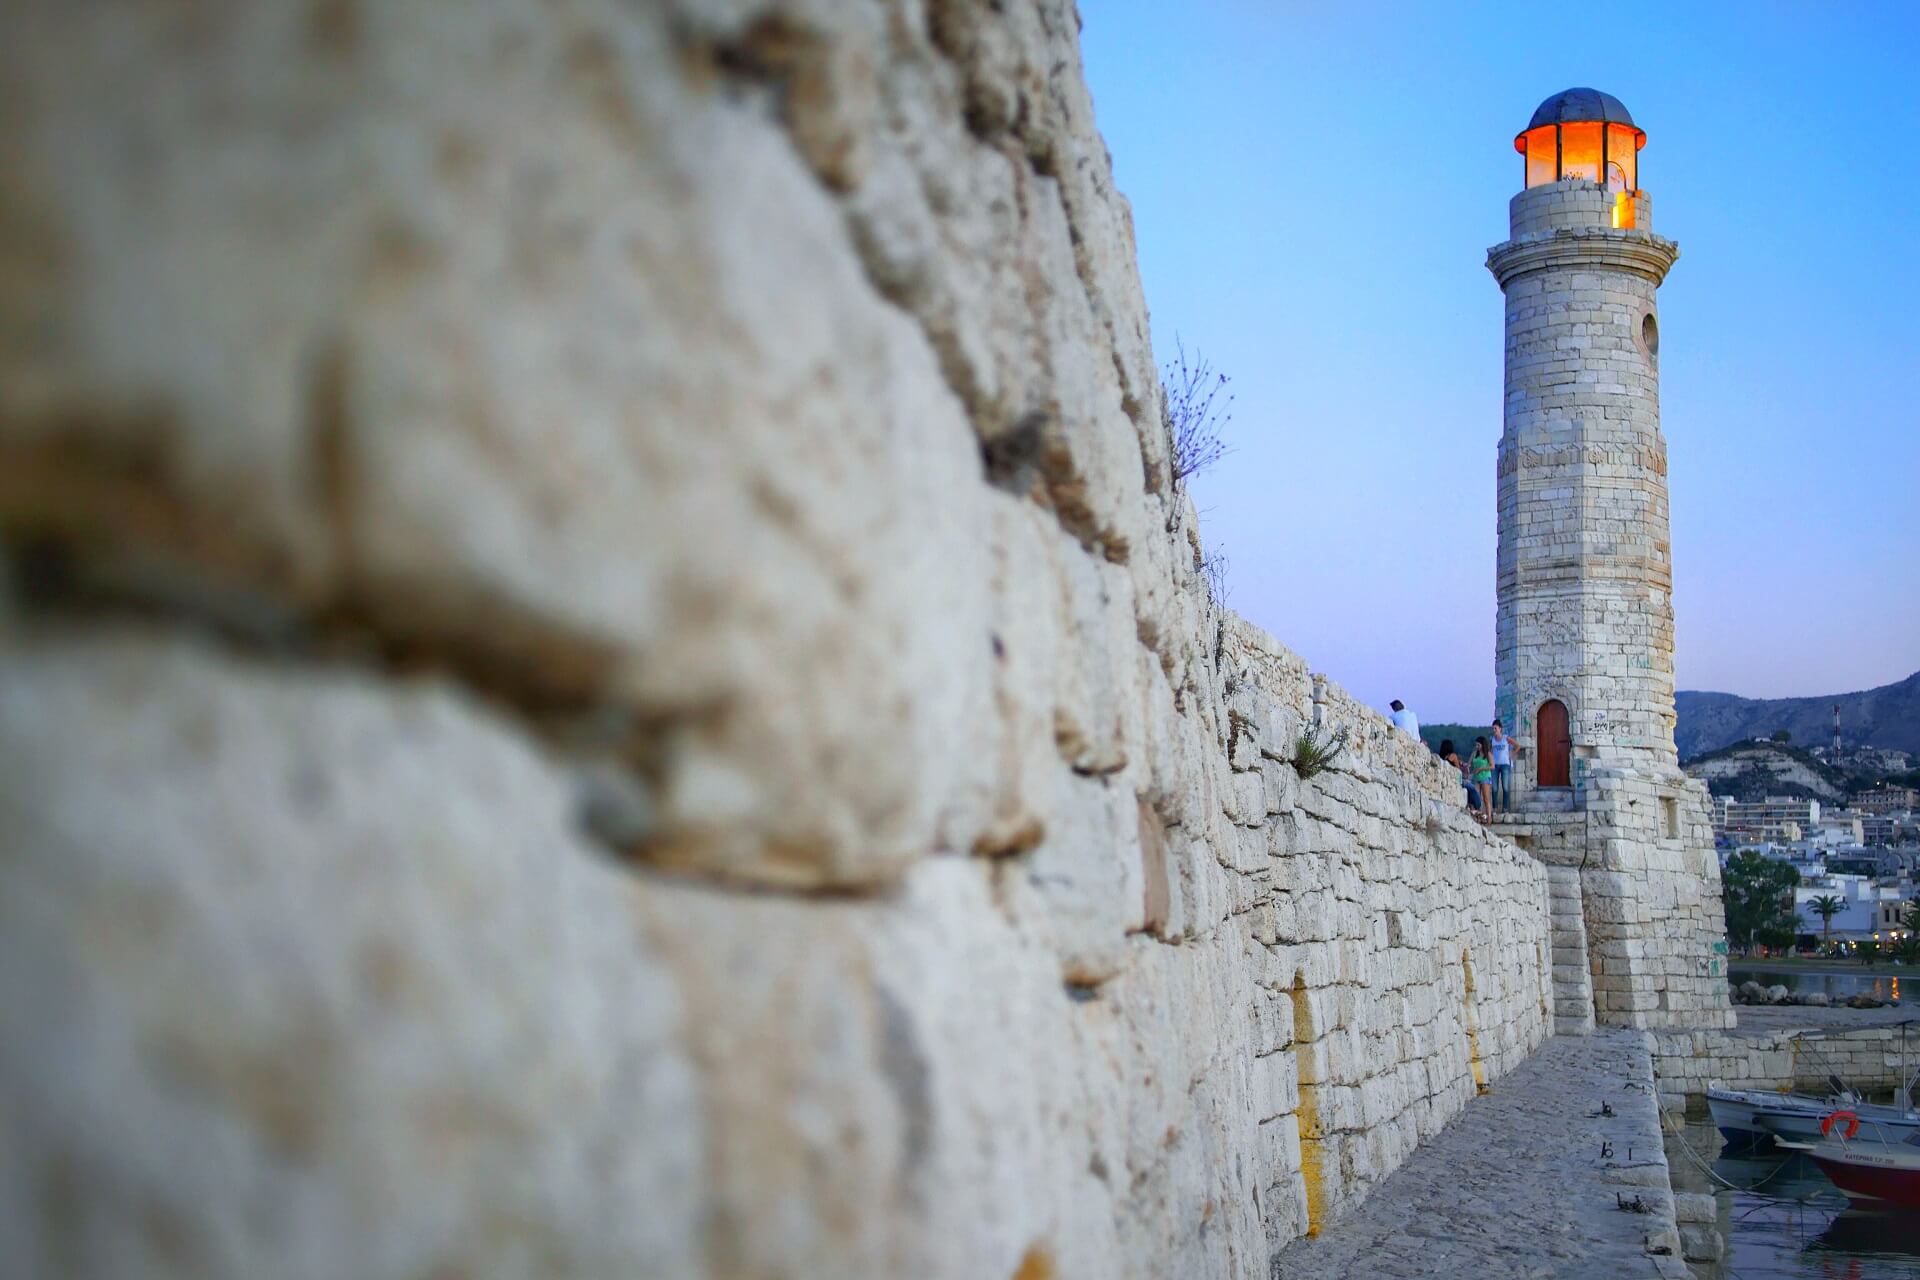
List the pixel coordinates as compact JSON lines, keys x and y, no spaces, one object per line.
{"x":1405,"y":719}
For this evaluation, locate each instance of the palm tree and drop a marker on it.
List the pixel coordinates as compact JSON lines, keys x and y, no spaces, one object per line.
{"x":1908,"y":948}
{"x":1826,"y":906}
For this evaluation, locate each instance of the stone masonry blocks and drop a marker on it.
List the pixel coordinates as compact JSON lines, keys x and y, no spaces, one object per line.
{"x":1585,"y":608}
{"x":602,"y":672}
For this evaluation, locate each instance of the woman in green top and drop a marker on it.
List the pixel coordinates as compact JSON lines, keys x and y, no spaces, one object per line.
{"x":1480,"y":772}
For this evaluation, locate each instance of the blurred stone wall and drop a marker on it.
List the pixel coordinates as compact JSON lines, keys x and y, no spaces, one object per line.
{"x":602,"y":672}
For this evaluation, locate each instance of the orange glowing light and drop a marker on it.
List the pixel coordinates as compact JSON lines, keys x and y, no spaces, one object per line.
{"x":1543,"y":157}
{"x":1584,"y":149}
{"x":1580,"y":150}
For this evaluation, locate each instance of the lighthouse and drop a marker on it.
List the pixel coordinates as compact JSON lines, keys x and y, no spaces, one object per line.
{"x":1584,"y":614}
{"x":1584,"y":626}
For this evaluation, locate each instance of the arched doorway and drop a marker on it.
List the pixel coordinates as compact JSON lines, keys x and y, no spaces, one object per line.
{"x":1555,"y":750}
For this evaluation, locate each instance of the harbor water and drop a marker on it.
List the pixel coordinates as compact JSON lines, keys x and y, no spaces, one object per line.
{"x":1782,"y":1220}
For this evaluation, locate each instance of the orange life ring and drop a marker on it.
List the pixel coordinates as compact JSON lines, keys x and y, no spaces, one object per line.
{"x":1851,"y":1120}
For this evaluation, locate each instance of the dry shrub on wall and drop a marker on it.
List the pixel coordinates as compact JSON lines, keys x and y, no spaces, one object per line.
{"x":1215,"y":566}
{"x":1198,"y":408}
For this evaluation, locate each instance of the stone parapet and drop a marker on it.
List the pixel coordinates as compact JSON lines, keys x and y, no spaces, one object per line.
{"x":603,"y":672}
{"x":1865,"y":1054}
{"x":1573,"y":204}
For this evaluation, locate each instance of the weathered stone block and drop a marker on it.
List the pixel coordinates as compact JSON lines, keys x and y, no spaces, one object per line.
{"x":334,"y":957}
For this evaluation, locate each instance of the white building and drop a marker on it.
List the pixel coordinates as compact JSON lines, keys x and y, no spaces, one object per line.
{"x":1835,"y":830}
{"x":1870,"y":909}
{"x":1786,"y":818}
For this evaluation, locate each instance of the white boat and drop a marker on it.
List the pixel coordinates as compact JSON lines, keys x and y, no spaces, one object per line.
{"x":1877,"y":1122}
{"x":1748,"y":1116}
{"x":1736,"y":1112}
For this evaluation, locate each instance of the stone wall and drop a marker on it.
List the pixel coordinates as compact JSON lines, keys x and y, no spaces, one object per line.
{"x":1880,"y":1055}
{"x":1573,"y":204}
{"x":1655,"y":924}
{"x":602,"y":671}
{"x":1650,"y":951}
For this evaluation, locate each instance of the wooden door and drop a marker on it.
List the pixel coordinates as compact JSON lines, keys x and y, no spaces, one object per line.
{"x":1556,"y":745}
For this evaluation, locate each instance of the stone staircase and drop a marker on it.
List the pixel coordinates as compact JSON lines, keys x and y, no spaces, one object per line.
{"x":1549,"y":800}
{"x":1567,"y":934}
{"x":1556,"y":838}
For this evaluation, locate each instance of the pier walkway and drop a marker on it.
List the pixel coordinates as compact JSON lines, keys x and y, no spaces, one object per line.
{"x":1527,"y":1182}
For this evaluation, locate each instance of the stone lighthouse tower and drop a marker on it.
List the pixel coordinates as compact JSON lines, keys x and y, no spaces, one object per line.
{"x":1584,"y":628}
{"x":1584,"y":644}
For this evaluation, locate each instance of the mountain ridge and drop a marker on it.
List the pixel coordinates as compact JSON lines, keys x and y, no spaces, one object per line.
{"x":1886,"y":716}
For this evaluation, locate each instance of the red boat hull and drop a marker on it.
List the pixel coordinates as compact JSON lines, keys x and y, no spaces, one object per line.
{"x":1897,"y":1186}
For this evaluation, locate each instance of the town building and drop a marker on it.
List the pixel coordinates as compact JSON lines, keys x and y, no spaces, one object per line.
{"x":1871,"y":909}
{"x":1835,"y":830}
{"x":1885,"y":799}
{"x":1890,"y":829}
{"x":1777,"y":818}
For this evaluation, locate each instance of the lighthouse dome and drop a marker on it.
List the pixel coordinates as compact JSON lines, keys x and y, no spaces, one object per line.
{"x":1572,"y":105}
{"x":1583,"y":133}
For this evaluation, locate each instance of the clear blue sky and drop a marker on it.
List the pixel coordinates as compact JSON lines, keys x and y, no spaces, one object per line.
{"x":1314,"y":189}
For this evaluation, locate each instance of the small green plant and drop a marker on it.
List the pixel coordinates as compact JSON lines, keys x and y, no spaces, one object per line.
{"x":1313,"y":754}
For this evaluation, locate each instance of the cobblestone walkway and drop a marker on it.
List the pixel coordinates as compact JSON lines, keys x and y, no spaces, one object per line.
{"x":1521,"y":1185}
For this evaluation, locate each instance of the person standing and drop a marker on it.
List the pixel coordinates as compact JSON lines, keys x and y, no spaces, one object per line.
{"x":1502,"y":768}
{"x":1452,"y":757}
{"x":1405,"y":719}
{"x":1480,"y":774}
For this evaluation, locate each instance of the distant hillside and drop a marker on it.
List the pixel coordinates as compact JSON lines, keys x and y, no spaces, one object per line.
{"x":1750,"y":770}
{"x":1461,"y":734}
{"x":1885,"y":717}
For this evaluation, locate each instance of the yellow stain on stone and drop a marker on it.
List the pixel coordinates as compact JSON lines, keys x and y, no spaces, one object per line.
{"x":1473,"y":1029}
{"x":1312,"y":1151}
{"x":1541,"y":947}
{"x":1037,"y":1264}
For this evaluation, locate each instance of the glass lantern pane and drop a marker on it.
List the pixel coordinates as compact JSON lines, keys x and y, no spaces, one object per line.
{"x":1540,"y":155}
{"x":1623,"y":162}
{"x":1580,"y":150}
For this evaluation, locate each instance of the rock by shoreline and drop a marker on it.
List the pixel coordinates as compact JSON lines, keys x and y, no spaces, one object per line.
{"x":1751,"y":992}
